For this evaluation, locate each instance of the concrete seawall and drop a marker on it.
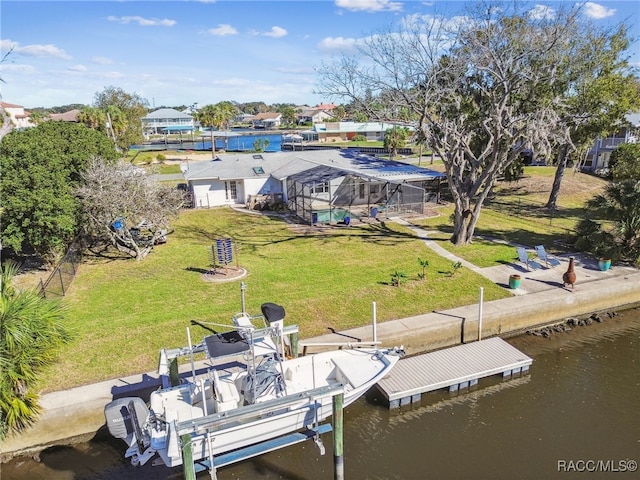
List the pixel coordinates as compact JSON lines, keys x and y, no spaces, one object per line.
{"x":77,"y":415}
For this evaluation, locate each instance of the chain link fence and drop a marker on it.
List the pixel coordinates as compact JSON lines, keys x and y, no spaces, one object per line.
{"x":59,"y":281}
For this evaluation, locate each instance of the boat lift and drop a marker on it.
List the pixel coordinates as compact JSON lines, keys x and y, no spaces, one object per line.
{"x":190,"y":429}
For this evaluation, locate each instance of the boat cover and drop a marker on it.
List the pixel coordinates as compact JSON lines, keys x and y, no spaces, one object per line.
{"x":225,"y":344}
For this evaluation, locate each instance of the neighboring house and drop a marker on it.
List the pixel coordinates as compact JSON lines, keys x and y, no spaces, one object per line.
{"x":167,"y":120}
{"x":598,"y":157}
{"x":243,"y":118}
{"x":345,"y":131}
{"x":319,"y":186}
{"x":325,"y":106}
{"x":313,"y":116}
{"x":18,"y":115}
{"x":267,"y":120}
{"x":70,"y":116}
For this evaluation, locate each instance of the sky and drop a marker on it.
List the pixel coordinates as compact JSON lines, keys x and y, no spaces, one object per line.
{"x":186,"y":52}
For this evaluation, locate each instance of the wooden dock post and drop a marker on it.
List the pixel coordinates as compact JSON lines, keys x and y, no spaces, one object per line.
{"x":187,"y":458}
{"x":338,"y":429}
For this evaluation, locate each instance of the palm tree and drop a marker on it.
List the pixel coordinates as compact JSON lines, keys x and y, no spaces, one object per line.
{"x":613,"y":228}
{"x":395,"y":138}
{"x":215,"y":116}
{"x":31,"y":331}
{"x":92,"y":117}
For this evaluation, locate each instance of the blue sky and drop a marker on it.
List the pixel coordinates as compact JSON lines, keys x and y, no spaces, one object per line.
{"x":179,"y":52}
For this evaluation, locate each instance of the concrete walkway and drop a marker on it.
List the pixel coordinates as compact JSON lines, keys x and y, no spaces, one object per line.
{"x":77,"y":414}
{"x":540,"y":280}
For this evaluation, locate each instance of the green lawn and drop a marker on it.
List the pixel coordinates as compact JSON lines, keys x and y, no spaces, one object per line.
{"x":123,"y":312}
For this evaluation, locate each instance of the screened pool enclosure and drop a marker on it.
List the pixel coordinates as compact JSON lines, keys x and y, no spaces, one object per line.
{"x":326,"y":194}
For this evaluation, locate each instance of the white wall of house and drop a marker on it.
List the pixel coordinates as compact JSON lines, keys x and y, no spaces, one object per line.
{"x":215,"y":193}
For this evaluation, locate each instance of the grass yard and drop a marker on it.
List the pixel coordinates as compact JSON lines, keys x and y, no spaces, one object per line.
{"x":517,"y":216}
{"x":122,"y":312}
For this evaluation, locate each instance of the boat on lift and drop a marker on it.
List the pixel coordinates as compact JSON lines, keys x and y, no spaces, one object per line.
{"x":254,"y":389}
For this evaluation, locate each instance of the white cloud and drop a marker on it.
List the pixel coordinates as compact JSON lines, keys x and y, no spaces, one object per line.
{"x":143,"y":22}
{"x":597,"y":11}
{"x":222,"y":30}
{"x":102,"y":60}
{"x":542,"y":12}
{"x":330,"y":44}
{"x":40,"y":51}
{"x":19,"y":68}
{"x":369,"y":5}
{"x":78,"y":68}
{"x":275,"y":32}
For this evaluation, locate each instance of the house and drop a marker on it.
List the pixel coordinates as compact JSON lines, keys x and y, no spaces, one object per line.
{"x":318,"y":185}
{"x":18,"y":115}
{"x":70,"y":116}
{"x":167,"y":120}
{"x":597,"y":160}
{"x":345,"y":131}
{"x":313,"y":116}
{"x":267,"y":120}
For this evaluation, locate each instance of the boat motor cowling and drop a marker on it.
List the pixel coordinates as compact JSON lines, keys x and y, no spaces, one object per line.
{"x":119,"y":419}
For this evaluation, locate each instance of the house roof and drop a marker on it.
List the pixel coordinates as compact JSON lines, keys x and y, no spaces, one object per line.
{"x":9,"y":105}
{"x":281,"y":165}
{"x":267,"y":116}
{"x":163,"y":113}
{"x":70,"y":116}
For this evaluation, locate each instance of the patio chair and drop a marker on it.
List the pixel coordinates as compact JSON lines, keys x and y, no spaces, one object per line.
{"x":523,"y":256}
{"x":544,"y":257}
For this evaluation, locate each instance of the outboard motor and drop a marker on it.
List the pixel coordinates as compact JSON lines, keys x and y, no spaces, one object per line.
{"x":123,"y":421}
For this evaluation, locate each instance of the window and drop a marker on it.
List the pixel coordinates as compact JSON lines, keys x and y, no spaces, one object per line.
{"x":230,"y":190}
{"x":320,"y":187}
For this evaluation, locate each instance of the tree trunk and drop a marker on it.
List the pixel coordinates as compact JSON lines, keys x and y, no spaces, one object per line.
{"x":557,"y":180}
{"x":464,"y":223}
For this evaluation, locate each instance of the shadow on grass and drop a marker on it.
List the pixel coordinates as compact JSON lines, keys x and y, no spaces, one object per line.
{"x":252,"y":239}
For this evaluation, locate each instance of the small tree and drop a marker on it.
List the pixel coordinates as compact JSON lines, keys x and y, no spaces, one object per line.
{"x":424,"y":263}
{"x":398,"y":278}
{"x":123,"y":205}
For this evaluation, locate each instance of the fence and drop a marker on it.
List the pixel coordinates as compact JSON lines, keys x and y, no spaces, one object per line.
{"x":59,"y":281}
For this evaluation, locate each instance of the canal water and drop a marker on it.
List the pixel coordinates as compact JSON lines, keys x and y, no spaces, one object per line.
{"x":576,"y":414}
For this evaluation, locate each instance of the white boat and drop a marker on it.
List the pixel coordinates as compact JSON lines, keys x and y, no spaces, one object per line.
{"x":262,"y":395}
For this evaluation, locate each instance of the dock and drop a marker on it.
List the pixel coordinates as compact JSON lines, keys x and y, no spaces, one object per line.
{"x":454,"y":368}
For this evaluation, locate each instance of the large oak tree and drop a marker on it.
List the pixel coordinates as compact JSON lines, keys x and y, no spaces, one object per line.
{"x":481,"y":89}
{"x":40,"y":167}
